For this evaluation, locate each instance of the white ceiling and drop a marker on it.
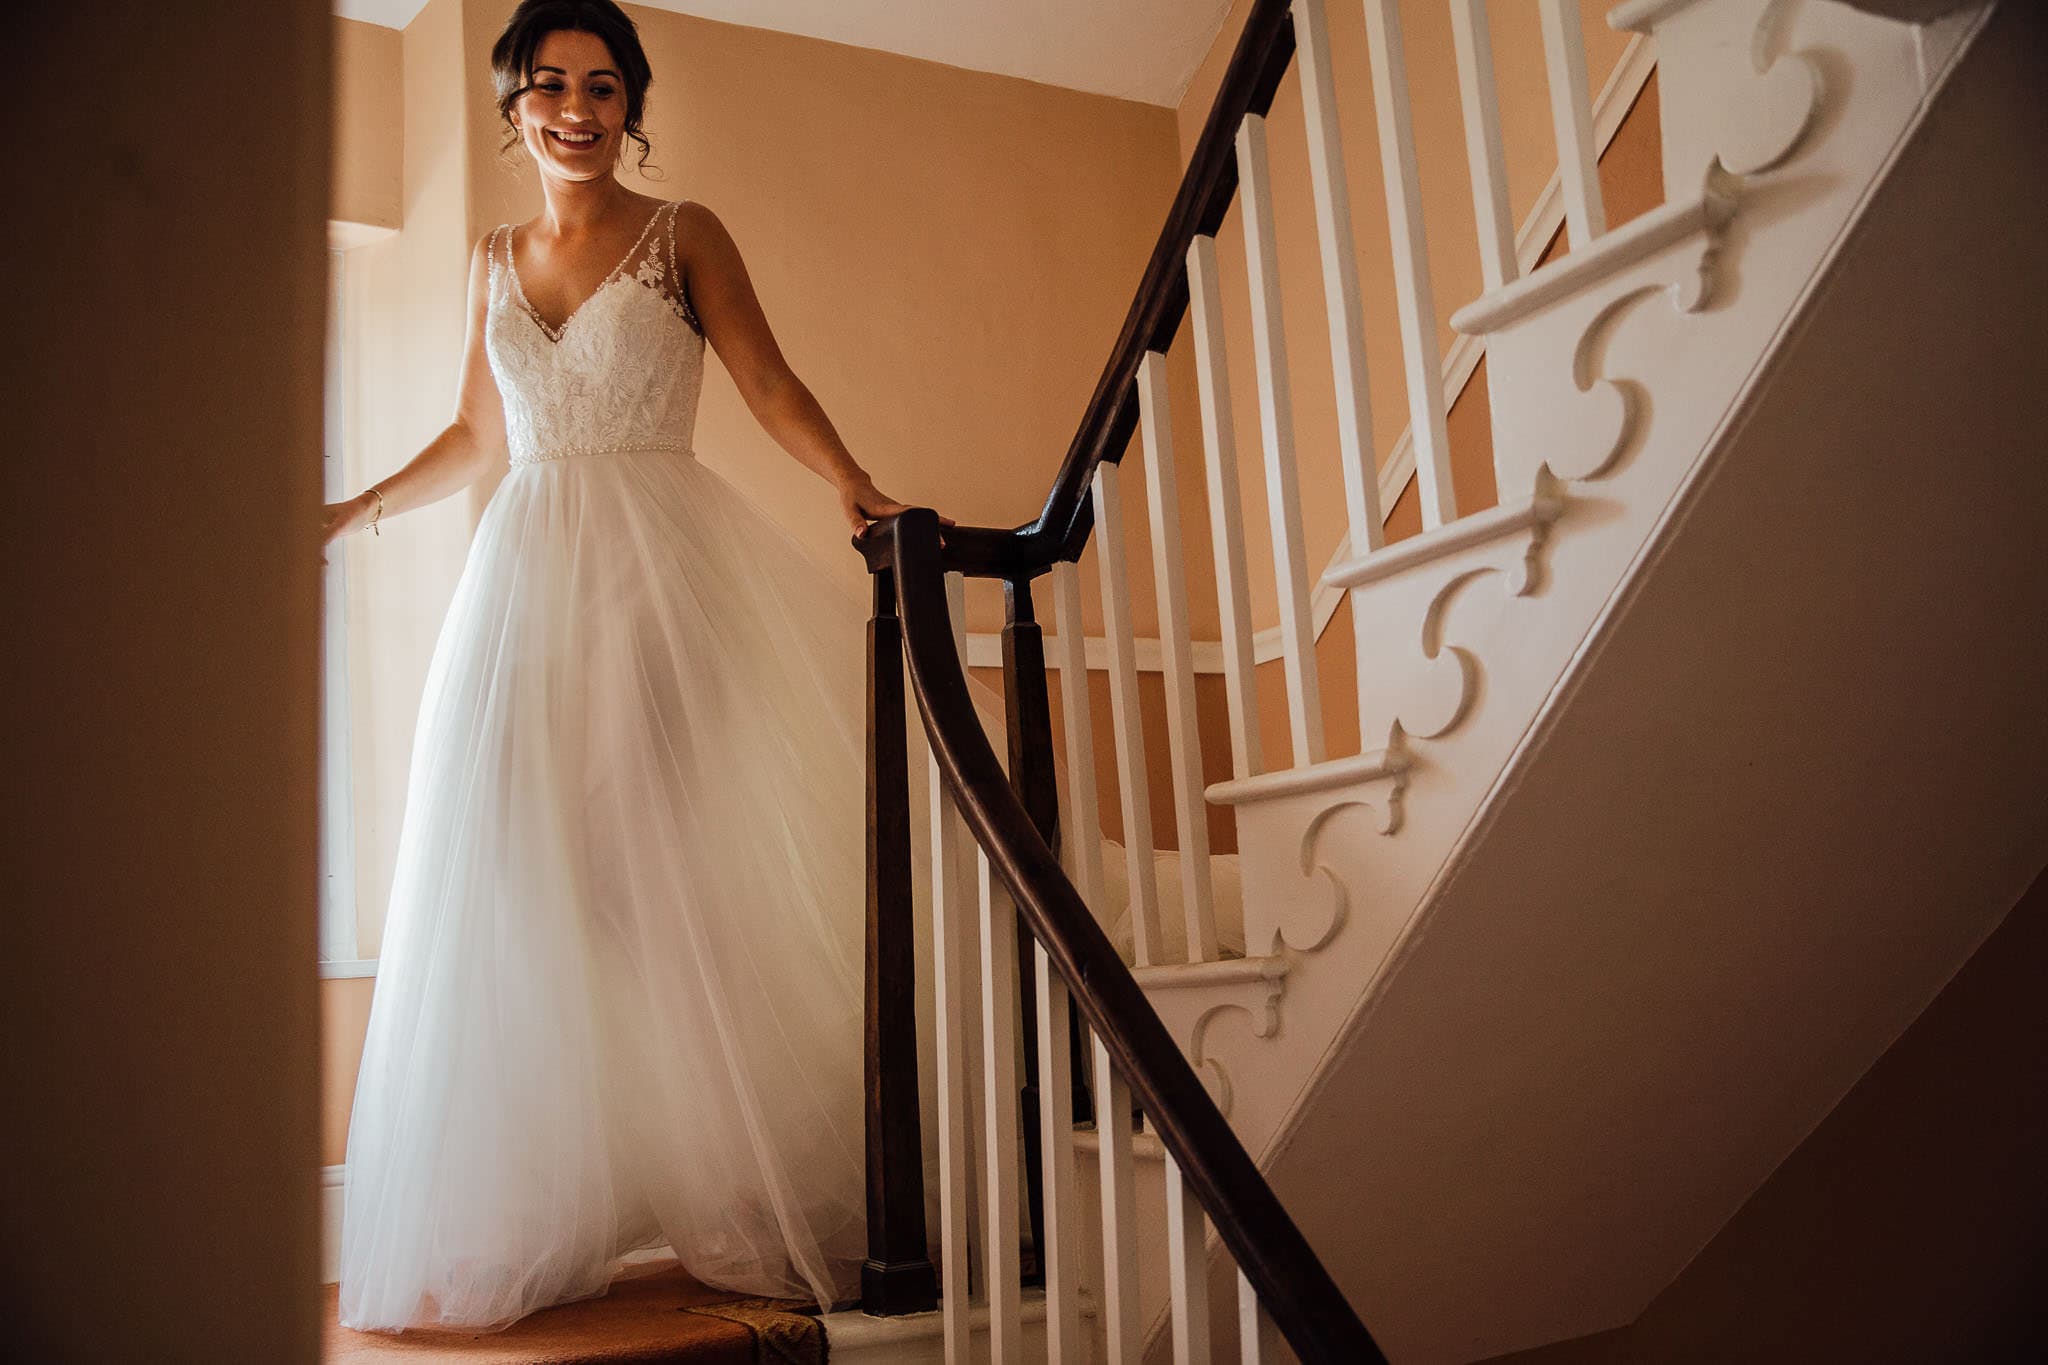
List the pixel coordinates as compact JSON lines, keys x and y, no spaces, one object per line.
{"x":1144,"y":50}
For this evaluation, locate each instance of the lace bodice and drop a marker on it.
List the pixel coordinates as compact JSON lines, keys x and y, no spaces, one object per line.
{"x":622,"y":372}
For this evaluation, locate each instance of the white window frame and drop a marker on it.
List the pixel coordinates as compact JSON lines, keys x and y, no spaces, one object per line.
{"x":339,"y":954}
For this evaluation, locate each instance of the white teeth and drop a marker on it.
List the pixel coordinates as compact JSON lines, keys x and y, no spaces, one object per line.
{"x":575,"y":137}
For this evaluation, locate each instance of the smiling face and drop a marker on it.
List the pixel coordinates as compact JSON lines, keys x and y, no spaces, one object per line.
{"x":572,"y":120}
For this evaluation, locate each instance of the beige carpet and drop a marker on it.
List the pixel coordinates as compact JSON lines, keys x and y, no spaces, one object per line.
{"x":653,"y":1317}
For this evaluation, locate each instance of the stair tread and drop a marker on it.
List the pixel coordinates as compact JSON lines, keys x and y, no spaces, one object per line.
{"x":648,"y":1315}
{"x":1331,"y":772}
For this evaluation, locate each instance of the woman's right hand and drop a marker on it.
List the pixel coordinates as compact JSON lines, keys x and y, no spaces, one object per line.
{"x":345,"y":519}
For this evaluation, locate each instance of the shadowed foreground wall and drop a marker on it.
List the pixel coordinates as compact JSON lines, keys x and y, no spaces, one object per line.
{"x":161,"y":613}
{"x":1913,"y":1225}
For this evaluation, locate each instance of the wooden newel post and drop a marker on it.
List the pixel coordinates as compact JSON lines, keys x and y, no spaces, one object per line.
{"x":1028,"y":719}
{"x":897,"y":1276}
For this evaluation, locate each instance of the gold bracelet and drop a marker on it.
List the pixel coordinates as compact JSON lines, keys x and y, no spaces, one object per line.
{"x":377,"y":515}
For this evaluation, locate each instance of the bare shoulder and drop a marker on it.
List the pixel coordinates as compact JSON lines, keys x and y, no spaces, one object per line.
{"x":480,"y":254}
{"x":697,"y":224}
{"x":481,"y":261}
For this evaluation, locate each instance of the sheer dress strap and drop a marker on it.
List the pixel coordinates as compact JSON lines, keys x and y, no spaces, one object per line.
{"x":494,"y":271}
{"x":675,"y":267}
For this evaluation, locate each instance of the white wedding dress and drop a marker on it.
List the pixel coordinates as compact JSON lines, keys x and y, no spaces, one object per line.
{"x":618,"y":1003}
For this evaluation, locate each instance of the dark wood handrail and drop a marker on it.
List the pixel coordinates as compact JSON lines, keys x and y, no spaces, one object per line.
{"x":1305,"y":1303}
{"x":1258,"y":63}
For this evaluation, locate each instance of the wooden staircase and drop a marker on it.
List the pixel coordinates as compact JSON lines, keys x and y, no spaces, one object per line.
{"x":1620,"y":375}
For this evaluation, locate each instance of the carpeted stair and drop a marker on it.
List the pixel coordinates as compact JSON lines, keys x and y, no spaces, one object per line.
{"x":656,"y":1316}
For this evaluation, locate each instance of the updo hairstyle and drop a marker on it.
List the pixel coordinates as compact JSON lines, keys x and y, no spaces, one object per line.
{"x":512,"y":56}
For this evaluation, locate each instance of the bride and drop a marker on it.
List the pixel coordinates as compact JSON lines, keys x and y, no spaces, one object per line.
{"x":618,"y":1004}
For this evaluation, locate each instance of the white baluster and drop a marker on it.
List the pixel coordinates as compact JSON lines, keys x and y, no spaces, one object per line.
{"x":1276,"y":422}
{"x":1488,"y":163}
{"x":1061,"y":1254}
{"x":1188,"y":1268}
{"x":1365,"y":522}
{"x":954,"y":975}
{"x":1414,"y":302}
{"x":1226,"y":517}
{"x":1571,"y":111}
{"x":1001,"y":1232}
{"x":1258,"y":1343}
{"x":1340,"y":279}
{"x":1080,"y":815}
{"x":1184,"y":738}
{"x":1122,"y":1326}
{"x":1133,"y":786}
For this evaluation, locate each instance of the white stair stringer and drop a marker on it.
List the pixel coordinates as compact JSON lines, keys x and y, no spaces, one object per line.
{"x":1478,"y":1202}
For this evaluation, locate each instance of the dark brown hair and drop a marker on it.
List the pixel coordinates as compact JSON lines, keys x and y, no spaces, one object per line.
{"x":512,"y":56}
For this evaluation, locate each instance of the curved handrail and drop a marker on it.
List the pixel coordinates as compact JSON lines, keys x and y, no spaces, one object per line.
{"x":1305,"y":1303}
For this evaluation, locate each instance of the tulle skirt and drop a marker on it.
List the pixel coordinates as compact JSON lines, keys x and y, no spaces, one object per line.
{"x":618,"y":1003}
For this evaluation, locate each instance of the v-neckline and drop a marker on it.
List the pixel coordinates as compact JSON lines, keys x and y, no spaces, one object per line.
{"x":555,"y":334}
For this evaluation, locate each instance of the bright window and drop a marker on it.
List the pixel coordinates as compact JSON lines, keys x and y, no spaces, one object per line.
{"x":338,"y":952}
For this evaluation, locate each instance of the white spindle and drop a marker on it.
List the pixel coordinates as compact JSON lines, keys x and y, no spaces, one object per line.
{"x":954,"y":975}
{"x":1365,"y":521}
{"x":1226,"y":517}
{"x":1571,"y":111}
{"x":1188,"y":1269}
{"x":1483,"y":153}
{"x":1184,"y":738}
{"x":1276,"y":423}
{"x":1133,"y":787}
{"x":1421,"y":359}
{"x":1061,"y":1255}
{"x":1258,"y":1343}
{"x":1340,"y":279}
{"x":1001,"y":1233}
{"x":1080,"y":815}
{"x":1122,"y":1326}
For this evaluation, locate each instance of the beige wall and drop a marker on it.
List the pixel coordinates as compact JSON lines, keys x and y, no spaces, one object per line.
{"x":344,"y":1020}
{"x":161,"y":629}
{"x":369,"y":106}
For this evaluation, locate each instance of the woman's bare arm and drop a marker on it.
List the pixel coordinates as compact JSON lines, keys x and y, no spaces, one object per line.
{"x":723,"y":296}
{"x":471,"y":443}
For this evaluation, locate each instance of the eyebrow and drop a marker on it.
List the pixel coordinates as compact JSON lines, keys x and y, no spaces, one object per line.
{"x":596,"y":71}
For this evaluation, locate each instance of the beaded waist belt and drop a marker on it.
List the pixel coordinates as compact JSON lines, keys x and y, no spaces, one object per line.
{"x":645,"y":445}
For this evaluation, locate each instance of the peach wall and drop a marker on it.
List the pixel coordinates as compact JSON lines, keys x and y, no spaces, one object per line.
{"x":369,"y":163}
{"x":344,"y":1019}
